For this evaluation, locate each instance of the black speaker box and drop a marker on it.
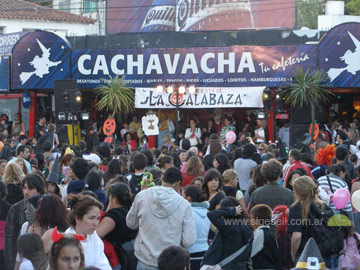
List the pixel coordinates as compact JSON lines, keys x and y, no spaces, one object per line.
{"x":297,"y":133}
{"x":61,"y":112}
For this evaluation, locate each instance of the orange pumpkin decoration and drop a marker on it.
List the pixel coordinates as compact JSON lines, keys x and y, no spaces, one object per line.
{"x":109,"y":126}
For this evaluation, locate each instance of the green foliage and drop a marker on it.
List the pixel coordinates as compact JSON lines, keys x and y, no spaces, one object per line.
{"x":115,"y":96}
{"x":308,"y":12}
{"x":352,"y":8}
{"x":307,"y":88}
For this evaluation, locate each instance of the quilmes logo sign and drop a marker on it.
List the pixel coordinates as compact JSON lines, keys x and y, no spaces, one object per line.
{"x":159,"y":16}
{"x":190,"y":12}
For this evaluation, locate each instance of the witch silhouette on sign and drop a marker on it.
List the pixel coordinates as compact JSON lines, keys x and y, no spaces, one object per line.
{"x":40,"y":64}
{"x":352,"y":59}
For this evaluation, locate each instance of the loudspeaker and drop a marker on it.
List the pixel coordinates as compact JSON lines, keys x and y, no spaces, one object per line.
{"x":303,"y":116}
{"x":297,"y":133}
{"x":62,"y":115}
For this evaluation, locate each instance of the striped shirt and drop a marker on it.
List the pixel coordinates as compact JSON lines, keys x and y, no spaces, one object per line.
{"x":336,"y":183}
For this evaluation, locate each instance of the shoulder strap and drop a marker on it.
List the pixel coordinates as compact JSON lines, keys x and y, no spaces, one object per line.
{"x":235,"y":254}
{"x":328,"y":178}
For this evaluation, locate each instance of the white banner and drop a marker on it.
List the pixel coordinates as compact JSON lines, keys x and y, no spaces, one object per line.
{"x":205,"y":97}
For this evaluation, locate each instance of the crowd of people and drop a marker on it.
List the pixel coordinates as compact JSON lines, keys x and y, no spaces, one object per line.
{"x":189,"y":205}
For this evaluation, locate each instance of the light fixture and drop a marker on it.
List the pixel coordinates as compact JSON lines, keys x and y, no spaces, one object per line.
{"x":182,"y":89}
{"x":77,"y":96}
{"x":192,"y":89}
{"x":85,"y":116}
{"x":261,"y":115}
{"x":170,"y":89}
{"x":159,"y":89}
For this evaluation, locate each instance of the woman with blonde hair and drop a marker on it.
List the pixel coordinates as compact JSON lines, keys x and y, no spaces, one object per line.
{"x":307,"y":204}
{"x":191,"y":169}
{"x":12,"y":178}
{"x":230,"y":180}
{"x":23,"y":166}
{"x":353,"y":136}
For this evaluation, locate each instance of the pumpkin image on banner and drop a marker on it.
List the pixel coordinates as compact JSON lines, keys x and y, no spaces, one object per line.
{"x":109,"y":126}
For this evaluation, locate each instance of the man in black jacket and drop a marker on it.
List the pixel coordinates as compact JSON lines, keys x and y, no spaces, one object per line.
{"x":33,"y":185}
{"x":233,"y":234}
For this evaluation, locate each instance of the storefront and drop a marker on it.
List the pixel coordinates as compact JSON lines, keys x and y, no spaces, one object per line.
{"x":230,"y":78}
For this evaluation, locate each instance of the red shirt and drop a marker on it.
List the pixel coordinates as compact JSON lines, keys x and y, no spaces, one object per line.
{"x":296,"y":165}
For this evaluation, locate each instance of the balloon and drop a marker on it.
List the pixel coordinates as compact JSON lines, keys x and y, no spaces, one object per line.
{"x":355,"y":200}
{"x":341,"y":198}
{"x":230,"y":137}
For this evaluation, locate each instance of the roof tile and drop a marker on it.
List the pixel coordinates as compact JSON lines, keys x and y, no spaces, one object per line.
{"x":23,"y":10}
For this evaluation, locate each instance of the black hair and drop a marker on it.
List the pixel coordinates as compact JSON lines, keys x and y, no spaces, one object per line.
{"x":172,"y":175}
{"x":3,"y":191}
{"x":139,"y":161}
{"x":20,"y":149}
{"x":35,"y":181}
{"x":257,"y":158}
{"x":82,"y":145}
{"x":229,"y":202}
{"x":341,"y":153}
{"x":341,"y":134}
{"x":149,"y":157}
{"x":93,"y":180}
{"x":195,"y":193}
{"x":297,"y":171}
{"x":186,"y":144}
{"x":224,"y":162}
{"x":122,"y":193}
{"x":296,"y":154}
{"x":354,"y":158}
{"x":80,"y":168}
{"x":47,"y":146}
{"x":174,"y":258}
{"x":119,"y":150}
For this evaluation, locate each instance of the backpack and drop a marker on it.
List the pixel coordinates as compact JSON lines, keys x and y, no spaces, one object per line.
{"x":135,"y":183}
{"x":330,"y":239}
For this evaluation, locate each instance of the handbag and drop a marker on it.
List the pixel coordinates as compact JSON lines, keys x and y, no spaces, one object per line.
{"x":228,"y":259}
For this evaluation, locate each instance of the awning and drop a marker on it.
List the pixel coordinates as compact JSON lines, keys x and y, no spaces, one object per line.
{"x":205,"y":97}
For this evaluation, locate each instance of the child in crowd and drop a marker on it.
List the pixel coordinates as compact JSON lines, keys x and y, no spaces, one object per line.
{"x":264,"y":249}
{"x":32,"y":253}
{"x":350,"y":257}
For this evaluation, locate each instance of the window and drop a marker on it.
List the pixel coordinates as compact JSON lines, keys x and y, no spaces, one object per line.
{"x":90,"y":6}
{"x":65,"y":5}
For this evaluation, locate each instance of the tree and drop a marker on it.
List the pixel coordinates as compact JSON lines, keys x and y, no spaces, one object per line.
{"x":308,"y":88}
{"x":308,"y":12}
{"x":352,"y":7}
{"x":115,"y":96}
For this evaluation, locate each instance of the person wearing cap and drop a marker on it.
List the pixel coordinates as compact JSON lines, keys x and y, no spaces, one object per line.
{"x":163,"y":219}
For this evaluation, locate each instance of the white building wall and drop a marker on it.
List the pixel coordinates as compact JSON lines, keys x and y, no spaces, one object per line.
{"x":334,"y":15}
{"x":61,"y":28}
{"x":77,"y":7}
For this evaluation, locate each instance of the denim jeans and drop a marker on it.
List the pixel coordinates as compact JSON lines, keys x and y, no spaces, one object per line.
{"x":142,"y":266}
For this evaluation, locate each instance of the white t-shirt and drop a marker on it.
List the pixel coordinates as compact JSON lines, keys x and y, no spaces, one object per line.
{"x":93,"y":251}
{"x":26,"y":265}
